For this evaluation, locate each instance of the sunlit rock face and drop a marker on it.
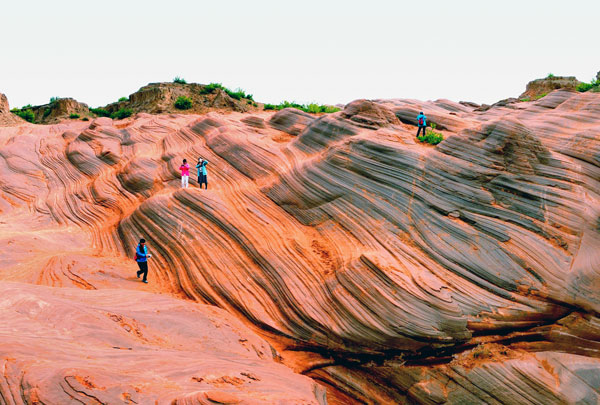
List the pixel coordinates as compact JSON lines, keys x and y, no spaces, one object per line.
{"x":386,"y":269}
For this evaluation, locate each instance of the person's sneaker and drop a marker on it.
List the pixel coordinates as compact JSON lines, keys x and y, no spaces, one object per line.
{"x":145,"y":281}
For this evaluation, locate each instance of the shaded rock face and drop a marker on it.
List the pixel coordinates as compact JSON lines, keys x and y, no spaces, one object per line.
{"x":384,"y":269}
{"x":540,"y":87}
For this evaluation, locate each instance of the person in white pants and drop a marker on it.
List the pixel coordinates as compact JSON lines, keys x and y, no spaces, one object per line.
{"x":185,"y":173}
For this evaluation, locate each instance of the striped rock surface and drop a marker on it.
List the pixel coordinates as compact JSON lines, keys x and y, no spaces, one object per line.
{"x":383,"y":268}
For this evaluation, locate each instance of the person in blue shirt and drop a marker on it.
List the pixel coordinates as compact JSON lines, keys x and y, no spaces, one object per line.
{"x":141,"y":257}
{"x":201,"y":166}
{"x":422,"y":122}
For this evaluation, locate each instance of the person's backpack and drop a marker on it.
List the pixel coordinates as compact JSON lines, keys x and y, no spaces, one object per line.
{"x":421,"y":121}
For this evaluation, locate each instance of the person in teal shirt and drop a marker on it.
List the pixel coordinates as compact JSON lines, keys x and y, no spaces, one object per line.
{"x":422,"y":122}
{"x":201,"y":166}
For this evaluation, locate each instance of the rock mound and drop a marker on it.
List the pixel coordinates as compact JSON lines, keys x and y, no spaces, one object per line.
{"x":60,"y":110}
{"x":159,"y":98}
{"x":369,"y":114}
{"x":541,"y":87}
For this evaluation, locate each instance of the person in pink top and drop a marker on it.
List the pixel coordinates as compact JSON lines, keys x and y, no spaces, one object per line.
{"x":185,"y":173}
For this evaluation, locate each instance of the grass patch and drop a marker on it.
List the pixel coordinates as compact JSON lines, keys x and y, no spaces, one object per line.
{"x":540,"y":96}
{"x":74,"y":116}
{"x":238,"y":94}
{"x":525,"y":99}
{"x":100,"y":112}
{"x":431,"y":136}
{"x":183,"y":103}
{"x":179,"y":80}
{"x":123,"y":99}
{"x":122,"y":113}
{"x":311,"y":108}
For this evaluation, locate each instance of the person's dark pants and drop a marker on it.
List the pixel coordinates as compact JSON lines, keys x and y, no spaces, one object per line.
{"x":143,"y":269}
{"x":421,"y":127}
{"x":202,"y":180}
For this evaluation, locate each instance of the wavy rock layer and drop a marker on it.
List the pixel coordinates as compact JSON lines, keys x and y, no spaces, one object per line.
{"x":388,"y":270}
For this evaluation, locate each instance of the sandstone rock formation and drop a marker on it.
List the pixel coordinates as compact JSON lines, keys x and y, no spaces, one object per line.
{"x":541,"y":87}
{"x":6,"y":117}
{"x":60,"y":110}
{"x":387,"y":270}
{"x":158,"y":98}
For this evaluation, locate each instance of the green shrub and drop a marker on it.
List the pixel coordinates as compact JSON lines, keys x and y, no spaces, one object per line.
{"x":27,"y":114}
{"x":47,"y":112}
{"x":53,"y":99}
{"x":183,"y":103}
{"x":328,"y":109}
{"x":123,"y":99}
{"x":25,"y":107}
{"x":550,"y":76}
{"x":85,"y":119}
{"x":238,"y":94}
{"x":312,"y":108}
{"x":525,"y":99}
{"x":593,"y":84}
{"x":211,"y":87}
{"x":100,"y":112}
{"x":74,"y":116}
{"x":122,"y":113}
{"x":179,"y":80}
{"x":431,"y":137}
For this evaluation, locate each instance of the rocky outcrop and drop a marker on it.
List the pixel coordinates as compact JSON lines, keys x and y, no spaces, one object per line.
{"x":369,"y":114}
{"x":6,"y":117}
{"x":540,"y":87}
{"x":159,"y":98}
{"x":59,"y":110}
{"x":386,"y":270}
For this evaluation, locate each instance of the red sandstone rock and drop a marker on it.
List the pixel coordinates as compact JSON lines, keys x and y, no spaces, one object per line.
{"x":390,"y":271}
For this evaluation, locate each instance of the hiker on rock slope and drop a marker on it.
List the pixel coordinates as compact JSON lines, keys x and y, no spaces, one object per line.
{"x":185,"y":173}
{"x":422,"y":122}
{"x":141,"y":257}
{"x":201,"y":166}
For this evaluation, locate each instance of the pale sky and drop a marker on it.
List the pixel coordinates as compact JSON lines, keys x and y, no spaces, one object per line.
{"x":322,"y":51}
